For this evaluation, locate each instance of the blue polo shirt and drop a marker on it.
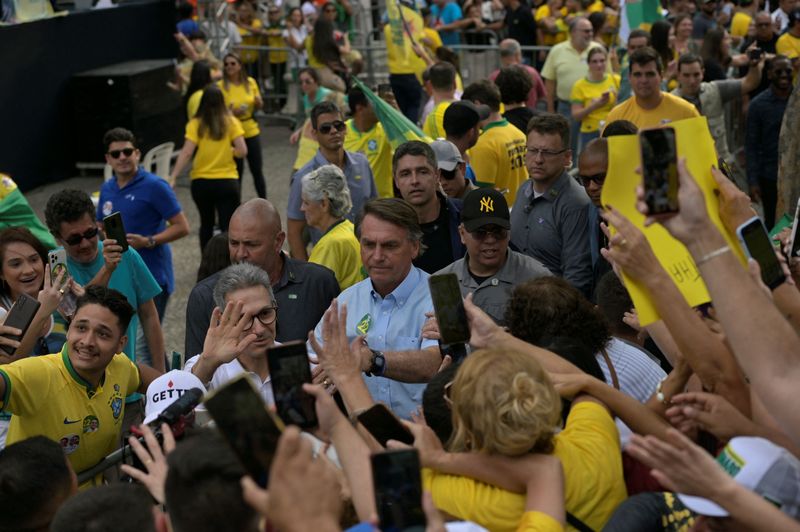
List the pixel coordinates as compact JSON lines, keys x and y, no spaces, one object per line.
{"x":146,"y":203}
{"x":450,"y":13}
{"x":359,"y":179}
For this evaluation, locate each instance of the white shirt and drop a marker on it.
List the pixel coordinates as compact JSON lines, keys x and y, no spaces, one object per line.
{"x":230,"y":370}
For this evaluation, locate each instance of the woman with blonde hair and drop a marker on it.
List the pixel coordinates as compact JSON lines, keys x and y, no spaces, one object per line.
{"x":326,"y":202}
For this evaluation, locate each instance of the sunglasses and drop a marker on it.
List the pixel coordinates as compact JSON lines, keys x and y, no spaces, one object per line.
{"x":74,"y":240}
{"x":597,"y":178}
{"x":448,"y":174}
{"x":231,"y":63}
{"x":328,"y":126}
{"x":497,"y":232}
{"x":116,"y":153}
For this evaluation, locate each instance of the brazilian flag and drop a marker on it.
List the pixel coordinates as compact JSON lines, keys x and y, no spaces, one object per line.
{"x":16,"y":212}
{"x":397,"y":127}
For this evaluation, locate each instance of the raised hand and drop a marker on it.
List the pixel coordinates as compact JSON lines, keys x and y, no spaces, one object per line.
{"x":225,"y":340}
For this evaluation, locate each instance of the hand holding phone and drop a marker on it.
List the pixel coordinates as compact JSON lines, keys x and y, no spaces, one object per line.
{"x":384,"y":426}
{"x":449,"y":308}
{"x":659,"y":170}
{"x":20,"y":317}
{"x":114,"y":228}
{"x":758,"y":246}
{"x":289,"y":369}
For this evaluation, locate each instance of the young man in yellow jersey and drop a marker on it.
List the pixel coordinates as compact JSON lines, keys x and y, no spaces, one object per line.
{"x":442,"y":79}
{"x":366,"y":136}
{"x":498,"y":157}
{"x":77,"y":397}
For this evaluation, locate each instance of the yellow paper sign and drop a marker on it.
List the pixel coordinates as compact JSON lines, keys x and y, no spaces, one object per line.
{"x":694,"y":142}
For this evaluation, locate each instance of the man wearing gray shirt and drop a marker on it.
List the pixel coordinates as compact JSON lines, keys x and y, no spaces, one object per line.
{"x":490,"y":270}
{"x":549,"y":218}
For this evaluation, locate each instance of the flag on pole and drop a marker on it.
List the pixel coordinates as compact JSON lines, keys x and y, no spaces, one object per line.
{"x":636,"y":14}
{"x":397,"y":127}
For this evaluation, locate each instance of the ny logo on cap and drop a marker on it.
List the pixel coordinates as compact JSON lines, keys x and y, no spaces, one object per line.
{"x":487,"y":204}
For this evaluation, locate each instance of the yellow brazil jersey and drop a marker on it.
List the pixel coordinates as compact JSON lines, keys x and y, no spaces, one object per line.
{"x":589,"y":451}
{"x":250,"y":39}
{"x":671,"y":109}
{"x":434,"y":123}
{"x":193,"y":103}
{"x":552,"y":38}
{"x":275,"y":40}
{"x":244,"y":98}
{"x":586,"y":90}
{"x":596,"y":7}
{"x":740,"y":23}
{"x":339,"y":251}
{"x":498,"y":158}
{"x":47,"y":397}
{"x":788,"y":45}
{"x":374,"y":145}
{"x":402,"y":59}
{"x":214,"y":158}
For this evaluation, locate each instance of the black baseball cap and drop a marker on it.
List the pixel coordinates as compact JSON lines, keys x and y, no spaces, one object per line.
{"x":461,"y":116}
{"x":485,"y":206}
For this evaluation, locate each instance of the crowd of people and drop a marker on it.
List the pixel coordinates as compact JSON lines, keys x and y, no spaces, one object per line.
{"x":567,"y":412}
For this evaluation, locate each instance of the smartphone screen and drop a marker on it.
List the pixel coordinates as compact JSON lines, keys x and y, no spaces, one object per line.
{"x":242,"y":417}
{"x":757,"y":244}
{"x":114,"y":228}
{"x":449,"y":308}
{"x":20,"y":316}
{"x":384,"y":426}
{"x":398,"y":490}
{"x":794,"y":242}
{"x":660,"y":169}
{"x":289,"y":370}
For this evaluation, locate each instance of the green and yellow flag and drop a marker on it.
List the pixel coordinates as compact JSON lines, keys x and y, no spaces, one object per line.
{"x":397,"y":127}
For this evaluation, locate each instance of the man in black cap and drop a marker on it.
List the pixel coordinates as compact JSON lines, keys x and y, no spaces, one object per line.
{"x":462,"y":127}
{"x":490,"y":270}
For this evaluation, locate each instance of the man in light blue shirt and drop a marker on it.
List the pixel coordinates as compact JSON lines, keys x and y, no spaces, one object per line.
{"x":388,"y":309}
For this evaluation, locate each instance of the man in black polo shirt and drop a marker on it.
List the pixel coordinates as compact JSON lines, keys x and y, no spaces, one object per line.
{"x":416,"y":177}
{"x":520,"y":25}
{"x":303,"y":291}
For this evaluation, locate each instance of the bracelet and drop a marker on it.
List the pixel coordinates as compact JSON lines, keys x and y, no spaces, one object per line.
{"x":660,"y":394}
{"x":716,"y":253}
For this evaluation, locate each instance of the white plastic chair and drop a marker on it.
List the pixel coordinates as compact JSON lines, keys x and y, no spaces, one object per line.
{"x":108,"y":172}
{"x":161,"y":157}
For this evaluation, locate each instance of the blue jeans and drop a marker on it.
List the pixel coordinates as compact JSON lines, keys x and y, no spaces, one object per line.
{"x":408,"y":93}
{"x":565,"y":109}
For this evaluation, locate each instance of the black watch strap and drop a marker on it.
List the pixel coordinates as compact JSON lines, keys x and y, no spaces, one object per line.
{"x":378,"y":365}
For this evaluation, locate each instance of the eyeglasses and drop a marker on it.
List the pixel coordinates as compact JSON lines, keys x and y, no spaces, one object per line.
{"x":597,"y":178}
{"x":327,"y":126}
{"x":265,"y":316}
{"x":116,"y":153}
{"x":498,"y":233}
{"x":74,"y":240}
{"x":448,"y":174}
{"x":231,"y":63}
{"x":547,"y":154}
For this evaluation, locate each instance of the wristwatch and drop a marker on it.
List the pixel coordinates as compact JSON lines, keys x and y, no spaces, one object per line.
{"x":151,"y":242}
{"x":378,"y":365}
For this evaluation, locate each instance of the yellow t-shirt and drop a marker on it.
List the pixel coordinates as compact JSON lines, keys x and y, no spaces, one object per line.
{"x":374,"y":145}
{"x":586,"y":90}
{"x":402,"y":59}
{"x":434,"y":122}
{"x":539,"y":522}
{"x":214,"y":158}
{"x":193,"y":104}
{"x":47,"y":397}
{"x":739,"y":24}
{"x":590,"y":454}
{"x":275,"y":40}
{"x":306,"y":150}
{"x":671,"y":108}
{"x":788,"y":45}
{"x":552,"y":38}
{"x":436,"y":41}
{"x":498,"y":158}
{"x":339,"y":251}
{"x":250,"y":39}
{"x":596,"y":7}
{"x":239,"y":97}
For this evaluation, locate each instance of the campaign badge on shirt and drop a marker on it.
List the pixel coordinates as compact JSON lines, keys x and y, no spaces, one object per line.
{"x":364,"y":324}
{"x":70,"y":443}
{"x":91,"y":424}
{"x":108,"y":208}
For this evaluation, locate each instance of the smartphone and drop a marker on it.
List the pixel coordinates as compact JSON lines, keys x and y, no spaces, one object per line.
{"x":249,"y":428}
{"x":289,"y":370}
{"x":449,"y":308}
{"x":756,"y":242}
{"x":114,"y":228}
{"x":20,"y":316}
{"x":754,"y":54}
{"x":659,"y":169}
{"x":385,"y":89}
{"x":57,"y":258}
{"x":398,"y":490}
{"x":384,"y":426}
{"x":794,"y":242}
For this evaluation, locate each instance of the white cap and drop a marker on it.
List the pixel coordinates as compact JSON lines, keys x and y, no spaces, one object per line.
{"x":760,"y":466}
{"x":167,"y":389}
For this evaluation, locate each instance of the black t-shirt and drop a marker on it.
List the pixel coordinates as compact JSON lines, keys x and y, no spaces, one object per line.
{"x":519,"y":117}
{"x":436,"y":237}
{"x":521,"y":25}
